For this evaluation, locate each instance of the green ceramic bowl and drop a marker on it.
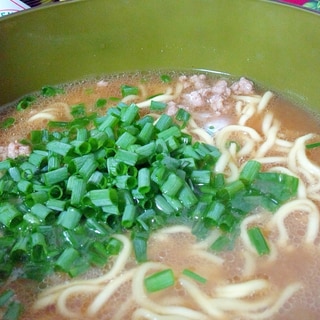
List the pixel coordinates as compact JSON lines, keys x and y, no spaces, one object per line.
{"x":275,"y":44}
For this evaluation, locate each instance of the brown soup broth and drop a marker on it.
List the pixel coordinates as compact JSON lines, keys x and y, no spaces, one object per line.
{"x":297,"y":264}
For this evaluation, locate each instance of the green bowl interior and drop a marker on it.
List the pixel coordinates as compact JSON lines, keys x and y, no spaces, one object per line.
{"x":274,"y":44}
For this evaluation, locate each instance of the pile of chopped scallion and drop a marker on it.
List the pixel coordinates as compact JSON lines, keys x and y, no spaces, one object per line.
{"x":96,"y":176}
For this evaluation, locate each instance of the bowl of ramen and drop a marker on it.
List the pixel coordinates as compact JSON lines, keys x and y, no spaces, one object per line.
{"x":160,"y":160}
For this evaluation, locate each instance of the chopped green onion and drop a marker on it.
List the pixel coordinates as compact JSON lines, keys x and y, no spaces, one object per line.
{"x":278,"y":187}
{"x":313,"y":145}
{"x":159,"y":280}
{"x":36,"y":136}
{"x":25,"y":103}
{"x":165,"y":78}
{"x":157,"y":105}
{"x":132,"y":129}
{"x":126,"y":140}
{"x":140,"y":122}
{"x":15,"y":174}
{"x":183,"y":116}
{"x":97,"y":254}
{"x":78,"y":267}
{"x":231,"y":189}
{"x":116,"y":167}
{"x":97,"y":227}
{"x":59,"y":147}
{"x":170,"y":132}
{"x":127,"y":157}
{"x":25,"y":186}
{"x":78,"y":189}
{"x":103,"y":197}
{"x":100,"y":103}
{"x":20,"y":249}
{"x":163,"y":205}
{"x":10,"y":216}
{"x":55,"y":204}
{"x":147,"y":150}
{"x":171,"y":185}
{"x":5,"y":164}
{"x":97,"y":180}
{"x":109,"y":122}
{"x":222,"y":243}
{"x":39,"y":246}
{"x":81,"y":147}
{"x":114,"y":246}
{"x":127,"y":90}
{"x":13,"y":311}
{"x":78,"y":110}
{"x":50,"y":91}
{"x":175,"y":203}
{"x":250,"y":171}
{"x":5,"y":296}
{"x":88,"y":168}
{"x":187,"y":197}
{"x":76,"y":163}
{"x":38,"y":158}
{"x":139,"y":241}
{"x":258,"y":241}
{"x":69,"y":219}
{"x":159,"y":174}
{"x":214,"y":213}
{"x":126,"y":182}
{"x":144,"y":180}
{"x":55,"y":192}
{"x":54,"y":162}
{"x":161,"y":149}
{"x":194,"y":276}
{"x":148,"y":215}
{"x":130,"y":114}
{"x":219,"y":181}
{"x":28,"y":170}
{"x":66,"y":259}
{"x":41,"y":211}
{"x":146,"y":133}
{"x":55,"y":176}
{"x":97,"y":140}
{"x":201,"y":176}
{"x":129,"y":215}
{"x":39,"y":196}
{"x":58,"y":124}
{"x":7,"y":123}
{"x":173,"y":143}
{"x":163,"y":123}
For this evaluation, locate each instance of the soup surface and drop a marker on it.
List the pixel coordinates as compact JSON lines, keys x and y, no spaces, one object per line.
{"x":159,"y":196}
